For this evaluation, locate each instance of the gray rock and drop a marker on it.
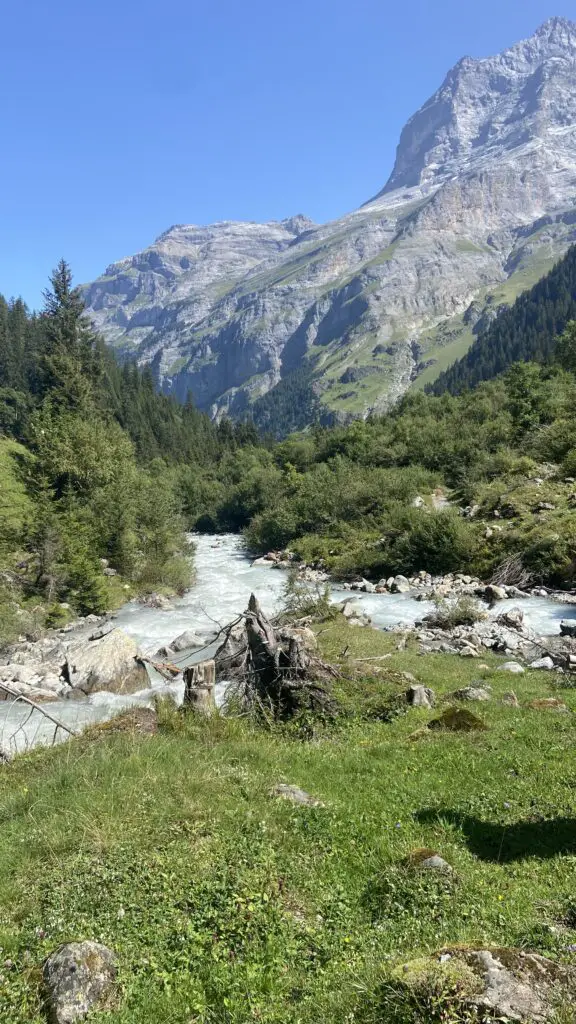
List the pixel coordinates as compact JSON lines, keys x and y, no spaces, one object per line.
{"x":108,"y":663}
{"x":78,"y":977}
{"x":568,"y":627}
{"x":295,"y":795}
{"x":186,"y":640}
{"x":496,"y":983}
{"x":400,"y":585}
{"x":511,"y":666}
{"x":544,"y":664}
{"x":436,"y":863}
{"x":420,"y":696}
{"x":492,"y":593}
{"x":471,"y":693}
{"x":510,"y":699}
{"x":512,"y":617}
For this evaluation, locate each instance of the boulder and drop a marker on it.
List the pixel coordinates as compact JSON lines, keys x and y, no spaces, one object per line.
{"x":78,"y":977}
{"x":350,"y":608}
{"x":471,"y":693}
{"x":494,"y":983}
{"x":110,"y":662}
{"x":467,"y":651}
{"x":295,"y":795}
{"x":510,"y":699}
{"x":544,"y":664}
{"x":492,"y":593}
{"x":185,"y":641}
{"x":400,"y":585}
{"x":511,"y":666}
{"x":568,"y":627}
{"x":512,"y":617}
{"x":420,"y":696}
{"x":435,"y":863}
{"x":458,"y":720}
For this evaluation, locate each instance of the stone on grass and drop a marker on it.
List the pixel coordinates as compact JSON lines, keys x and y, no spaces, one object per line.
{"x":468,"y":652}
{"x":548,"y":704}
{"x":510,"y":699}
{"x":420,"y":696}
{"x":471,"y":693}
{"x":295,"y":795}
{"x":458,"y":720}
{"x":544,"y":664}
{"x":78,"y":977}
{"x":495,"y":983}
{"x":427,"y":860}
{"x":511,"y":666}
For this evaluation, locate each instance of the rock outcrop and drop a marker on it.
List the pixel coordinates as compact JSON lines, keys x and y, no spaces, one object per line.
{"x":478,"y":206}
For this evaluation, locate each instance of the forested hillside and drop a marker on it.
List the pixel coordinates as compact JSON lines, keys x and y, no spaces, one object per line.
{"x":361,"y":499}
{"x":95,"y":466}
{"x":528,"y":330}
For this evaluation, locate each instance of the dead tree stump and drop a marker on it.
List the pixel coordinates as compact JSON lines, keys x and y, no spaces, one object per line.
{"x":272,"y":671}
{"x":199,"y":683}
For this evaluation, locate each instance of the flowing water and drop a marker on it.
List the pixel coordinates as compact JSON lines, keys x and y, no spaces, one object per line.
{"x":224,"y":581}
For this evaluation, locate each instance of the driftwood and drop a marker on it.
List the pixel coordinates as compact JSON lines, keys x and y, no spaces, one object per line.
{"x":270,"y":668}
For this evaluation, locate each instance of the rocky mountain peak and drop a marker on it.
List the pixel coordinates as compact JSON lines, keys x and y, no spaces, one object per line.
{"x":487,"y":102}
{"x":479,"y":205}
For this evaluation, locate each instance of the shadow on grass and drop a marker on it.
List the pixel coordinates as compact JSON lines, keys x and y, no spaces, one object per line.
{"x":502,"y":842}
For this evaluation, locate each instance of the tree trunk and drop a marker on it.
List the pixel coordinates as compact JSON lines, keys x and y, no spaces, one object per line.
{"x":199,"y":683}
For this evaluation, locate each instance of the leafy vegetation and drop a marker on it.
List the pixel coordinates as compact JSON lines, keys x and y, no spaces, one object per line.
{"x":91,"y":466}
{"x":226,"y":905}
{"x":361,"y":499}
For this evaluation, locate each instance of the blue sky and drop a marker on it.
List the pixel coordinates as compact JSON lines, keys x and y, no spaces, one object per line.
{"x":123,"y":117}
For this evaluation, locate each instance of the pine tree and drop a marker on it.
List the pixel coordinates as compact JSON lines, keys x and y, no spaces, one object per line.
{"x":71,"y":365}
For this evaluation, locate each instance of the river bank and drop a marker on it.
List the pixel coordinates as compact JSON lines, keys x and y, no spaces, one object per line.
{"x":225,"y":578}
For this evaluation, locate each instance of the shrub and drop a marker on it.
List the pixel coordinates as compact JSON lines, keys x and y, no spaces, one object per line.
{"x":304,"y":599}
{"x":464,"y":611}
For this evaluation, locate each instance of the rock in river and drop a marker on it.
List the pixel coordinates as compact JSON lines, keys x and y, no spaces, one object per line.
{"x":110,"y":662}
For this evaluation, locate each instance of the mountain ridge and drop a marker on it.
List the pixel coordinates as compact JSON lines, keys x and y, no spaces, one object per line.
{"x":480,"y":203}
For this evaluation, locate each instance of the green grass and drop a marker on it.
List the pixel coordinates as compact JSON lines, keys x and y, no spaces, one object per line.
{"x":227,"y":906}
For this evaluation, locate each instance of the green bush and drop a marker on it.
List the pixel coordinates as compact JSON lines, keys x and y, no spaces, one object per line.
{"x":464,"y":611}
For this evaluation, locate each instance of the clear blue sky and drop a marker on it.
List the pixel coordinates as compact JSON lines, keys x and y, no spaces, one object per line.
{"x":123,"y":117}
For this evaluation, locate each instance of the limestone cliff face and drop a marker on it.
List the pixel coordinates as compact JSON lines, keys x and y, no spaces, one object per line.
{"x":481,"y":201}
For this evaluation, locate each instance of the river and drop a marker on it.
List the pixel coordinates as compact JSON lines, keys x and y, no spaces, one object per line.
{"x":225,"y":579}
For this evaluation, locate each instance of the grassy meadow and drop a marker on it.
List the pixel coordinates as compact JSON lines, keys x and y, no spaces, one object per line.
{"x":226,"y":905}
